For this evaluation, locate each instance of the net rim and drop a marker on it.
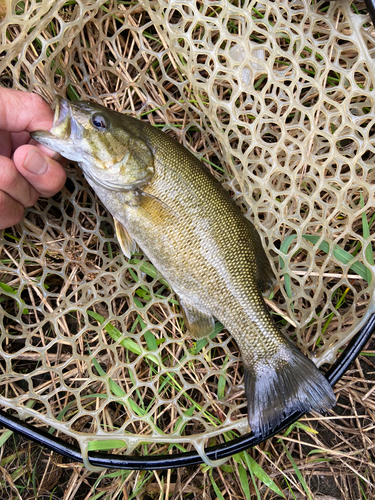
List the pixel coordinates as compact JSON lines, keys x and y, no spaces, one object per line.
{"x":217,"y":452}
{"x":370,"y":4}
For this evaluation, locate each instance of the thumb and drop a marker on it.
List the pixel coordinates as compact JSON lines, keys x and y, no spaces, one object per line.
{"x":45,"y":174}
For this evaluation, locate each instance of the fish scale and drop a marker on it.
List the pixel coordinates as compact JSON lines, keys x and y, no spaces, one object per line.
{"x":234,"y":298}
{"x":165,"y":201}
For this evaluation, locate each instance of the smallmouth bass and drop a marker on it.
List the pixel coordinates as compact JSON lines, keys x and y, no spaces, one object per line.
{"x":165,"y":201}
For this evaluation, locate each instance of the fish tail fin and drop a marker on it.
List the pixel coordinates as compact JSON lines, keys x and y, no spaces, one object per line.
{"x":285,"y":383}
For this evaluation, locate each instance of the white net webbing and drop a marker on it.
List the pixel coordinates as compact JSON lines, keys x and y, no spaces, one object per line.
{"x":277,"y":98}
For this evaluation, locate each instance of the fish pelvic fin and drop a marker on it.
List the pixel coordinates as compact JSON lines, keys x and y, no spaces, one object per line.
{"x":287,"y":382}
{"x":199,"y":323}
{"x":128,"y":246}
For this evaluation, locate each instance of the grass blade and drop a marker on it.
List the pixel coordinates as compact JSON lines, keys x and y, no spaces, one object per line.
{"x":339,"y":253}
{"x":4,"y":438}
{"x":149,"y":336}
{"x":107,"y":444}
{"x":9,"y":289}
{"x":257,"y":470}
{"x":298,"y":472}
{"x":366,"y":234}
{"x":255,"y":484}
{"x":116,"y":334}
{"x":244,"y":481}
{"x":215,"y":486}
{"x":203,"y":342}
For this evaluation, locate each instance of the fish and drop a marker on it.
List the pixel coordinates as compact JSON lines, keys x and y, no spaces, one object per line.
{"x":165,"y":202}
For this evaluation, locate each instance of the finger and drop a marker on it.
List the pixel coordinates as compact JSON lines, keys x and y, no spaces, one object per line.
{"x":11,"y":211}
{"x":46,"y":175}
{"x":49,"y":152}
{"x":19,"y":138}
{"x":21,"y":111}
{"x":5,"y":144}
{"x":16,"y":186}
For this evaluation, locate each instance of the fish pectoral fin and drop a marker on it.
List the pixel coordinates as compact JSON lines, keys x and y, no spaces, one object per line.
{"x":155,"y":209}
{"x":126,"y":243}
{"x":199,"y":323}
{"x":264,"y":274}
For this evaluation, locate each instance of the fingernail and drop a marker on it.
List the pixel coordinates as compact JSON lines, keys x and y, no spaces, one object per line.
{"x":35,"y":163}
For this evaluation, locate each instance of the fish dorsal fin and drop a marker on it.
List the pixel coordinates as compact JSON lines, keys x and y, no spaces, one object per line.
{"x":264,"y":274}
{"x":126,"y":243}
{"x":199,"y":323}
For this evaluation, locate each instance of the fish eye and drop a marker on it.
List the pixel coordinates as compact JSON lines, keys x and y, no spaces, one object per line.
{"x":99,"y":122}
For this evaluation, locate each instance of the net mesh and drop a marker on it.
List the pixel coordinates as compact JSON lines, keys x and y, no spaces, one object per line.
{"x":278,"y":101}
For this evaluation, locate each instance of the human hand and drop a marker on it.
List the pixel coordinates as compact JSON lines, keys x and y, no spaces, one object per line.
{"x":27,"y":171}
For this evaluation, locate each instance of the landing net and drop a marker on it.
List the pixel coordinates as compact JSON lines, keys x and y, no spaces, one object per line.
{"x":277,"y":99}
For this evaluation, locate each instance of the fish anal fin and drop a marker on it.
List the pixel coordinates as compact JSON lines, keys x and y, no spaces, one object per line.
{"x":199,"y":323}
{"x":286,"y":383}
{"x":264,"y":274}
{"x":126,"y":242}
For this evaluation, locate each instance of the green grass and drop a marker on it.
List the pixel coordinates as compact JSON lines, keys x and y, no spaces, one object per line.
{"x":340,"y":254}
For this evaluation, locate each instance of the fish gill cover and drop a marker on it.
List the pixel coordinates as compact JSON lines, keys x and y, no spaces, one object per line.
{"x":278,"y":102}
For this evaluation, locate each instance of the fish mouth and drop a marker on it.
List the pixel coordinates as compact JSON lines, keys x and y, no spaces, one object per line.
{"x":60,"y":137}
{"x":66,"y":133}
{"x":61,"y":110}
{"x":62,"y":119}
